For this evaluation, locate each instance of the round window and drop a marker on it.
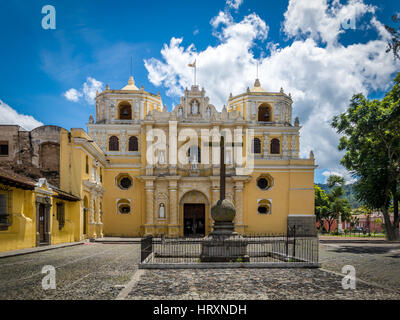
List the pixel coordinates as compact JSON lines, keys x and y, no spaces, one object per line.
{"x":263,"y":184}
{"x":125,"y":183}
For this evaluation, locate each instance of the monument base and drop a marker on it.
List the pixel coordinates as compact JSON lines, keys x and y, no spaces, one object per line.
{"x":224,"y":245}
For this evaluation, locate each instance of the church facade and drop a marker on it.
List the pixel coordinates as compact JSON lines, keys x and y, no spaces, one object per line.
{"x":161,"y":173}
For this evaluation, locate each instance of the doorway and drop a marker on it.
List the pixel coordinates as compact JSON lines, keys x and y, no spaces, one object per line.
{"x":194,"y":220}
{"x":43,"y":232}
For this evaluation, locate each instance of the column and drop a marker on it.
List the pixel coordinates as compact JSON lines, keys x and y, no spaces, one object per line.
{"x":92,"y":222}
{"x":149,"y":226}
{"x":173,"y":227}
{"x":266,"y":145}
{"x":239,"y":225}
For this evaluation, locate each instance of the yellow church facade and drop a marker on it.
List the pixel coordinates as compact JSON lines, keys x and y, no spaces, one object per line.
{"x":162,"y":171}
{"x":141,"y":169}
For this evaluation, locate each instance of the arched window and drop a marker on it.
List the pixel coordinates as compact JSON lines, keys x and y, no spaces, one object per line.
{"x":125,"y":111}
{"x":264,"y":113}
{"x":194,"y":153}
{"x":256,"y":145}
{"x":275,"y":146}
{"x":113,"y":144}
{"x":133,"y":144}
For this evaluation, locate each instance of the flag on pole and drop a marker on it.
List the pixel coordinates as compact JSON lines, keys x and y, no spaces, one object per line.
{"x":193,"y":65}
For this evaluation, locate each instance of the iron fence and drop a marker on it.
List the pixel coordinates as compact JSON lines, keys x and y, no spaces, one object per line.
{"x":146,"y":247}
{"x":281,"y":248}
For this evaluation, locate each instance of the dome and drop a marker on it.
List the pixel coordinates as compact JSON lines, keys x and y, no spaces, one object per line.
{"x":131,"y":85}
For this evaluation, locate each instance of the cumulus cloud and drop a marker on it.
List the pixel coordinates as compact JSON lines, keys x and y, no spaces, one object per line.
{"x":234,"y":4}
{"x":8,"y":116}
{"x":73,"y":95}
{"x":88,"y":91}
{"x":319,"y":72}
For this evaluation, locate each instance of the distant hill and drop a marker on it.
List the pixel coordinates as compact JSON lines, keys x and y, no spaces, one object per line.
{"x":349,"y":193}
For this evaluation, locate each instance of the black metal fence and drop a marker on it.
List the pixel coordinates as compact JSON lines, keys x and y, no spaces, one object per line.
{"x":146,"y":247}
{"x":280,"y":248}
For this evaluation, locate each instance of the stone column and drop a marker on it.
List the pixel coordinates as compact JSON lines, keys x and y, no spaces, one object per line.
{"x":266,"y":145}
{"x":92,"y":223}
{"x":149,"y":226}
{"x":141,"y":110}
{"x":239,"y":225}
{"x":173,"y":227}
{"x":99,"y":222}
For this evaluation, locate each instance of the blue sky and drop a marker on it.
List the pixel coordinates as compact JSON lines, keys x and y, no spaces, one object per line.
{"x":97,"y":39}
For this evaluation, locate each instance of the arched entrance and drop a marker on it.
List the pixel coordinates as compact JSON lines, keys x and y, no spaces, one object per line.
{"x":194,"y":206}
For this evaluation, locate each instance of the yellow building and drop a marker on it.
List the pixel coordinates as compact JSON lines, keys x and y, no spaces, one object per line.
{"x":144,"y":170}
{"x":162,"y":170}
{"x":50,"y":187}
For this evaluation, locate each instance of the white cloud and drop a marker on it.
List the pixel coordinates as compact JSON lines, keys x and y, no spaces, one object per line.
{"x":73,"y":95}
{"x":88,"y":91}
{"x":234,"y":4}
{"x":321,"y":78}
{"x":9,"y":116}
{"x":341,"y":172}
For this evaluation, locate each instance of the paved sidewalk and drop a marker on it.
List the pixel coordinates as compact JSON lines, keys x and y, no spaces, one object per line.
{"x":116,"y":240}
{"x":20,"y":252}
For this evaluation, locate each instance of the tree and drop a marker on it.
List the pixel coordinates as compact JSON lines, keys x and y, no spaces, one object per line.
{"x":340,"y":208}
{"x":371,"y":139}
{"x":394,"y":43}
{"x":321,"y":205}
{"x":332,"y":206}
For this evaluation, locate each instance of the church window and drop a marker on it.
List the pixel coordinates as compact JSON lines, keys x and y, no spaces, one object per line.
{"x":275,"y":146}
{"x":124,"y":206}
{"x":133,"y":144}
{"x":264,"y":113}
{"x":262,"y":183}
{"x":256,"y":146}
{"x":113,"y":144}
{"x":265,"y":182}
{"x":264,"y":207}
{"x":124,"y":181}
{"x":125,"y":111}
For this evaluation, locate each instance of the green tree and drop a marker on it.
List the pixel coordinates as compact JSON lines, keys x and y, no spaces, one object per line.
{"x":329,"y":207}
{"x":371,"y":139}
{"x":394,"y":43}
{"x":321,"y":206}
{"x":340,"y":208}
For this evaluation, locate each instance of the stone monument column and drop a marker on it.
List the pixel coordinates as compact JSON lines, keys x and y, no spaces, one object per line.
{"x":173,"y":227}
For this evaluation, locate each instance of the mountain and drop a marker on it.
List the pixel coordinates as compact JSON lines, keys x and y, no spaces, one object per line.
{"x":349,"y":193}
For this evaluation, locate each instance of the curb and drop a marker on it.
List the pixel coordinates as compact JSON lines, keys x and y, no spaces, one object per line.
{"x":22,"y":252}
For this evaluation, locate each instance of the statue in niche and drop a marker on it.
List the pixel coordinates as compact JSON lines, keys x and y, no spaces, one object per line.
{"x":161,"y":211}
{"x":180,"y":112}
{"x":208,"y":112}
{"x":161,"y":156}
{"x":195,"y":107}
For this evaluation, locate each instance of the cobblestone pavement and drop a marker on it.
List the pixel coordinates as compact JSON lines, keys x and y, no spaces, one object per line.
{"x":102,"y":271}
{"x":91,"y":271}
{"x":378,"y":263}
{"x":251,"y":284}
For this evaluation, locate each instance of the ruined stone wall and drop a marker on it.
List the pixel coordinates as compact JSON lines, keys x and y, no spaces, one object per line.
{"x":35,"y":154}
